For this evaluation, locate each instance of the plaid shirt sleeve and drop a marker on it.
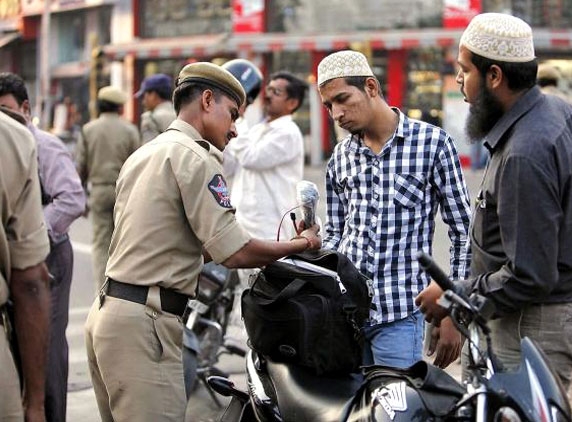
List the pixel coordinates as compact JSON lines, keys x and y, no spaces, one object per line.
{"x":336,"y":206}
{"x":455,"y":207}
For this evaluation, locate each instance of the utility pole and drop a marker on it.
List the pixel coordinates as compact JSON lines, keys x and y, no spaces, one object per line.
{"x":94,"y":73}
{"x":43,"y":104}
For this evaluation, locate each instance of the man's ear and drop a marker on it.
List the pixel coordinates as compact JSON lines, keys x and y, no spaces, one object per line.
{"x":292,"y":104}
{"x":371,"y":87}
{"x":207,"y":99}
{"x":26,"y":108}
{"x":495,"y":76}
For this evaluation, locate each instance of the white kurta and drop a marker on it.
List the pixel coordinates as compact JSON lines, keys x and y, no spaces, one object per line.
{"x":270,"y":163}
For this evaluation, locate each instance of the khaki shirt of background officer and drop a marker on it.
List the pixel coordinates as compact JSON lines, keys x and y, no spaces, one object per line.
{"x":23,"y":276}
{"x":172,"y":203}
{"x":105,"y":145}
{"x":155,"y":95}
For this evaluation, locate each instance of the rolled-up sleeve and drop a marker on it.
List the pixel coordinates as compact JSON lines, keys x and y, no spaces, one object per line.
{"x":26,"y":231}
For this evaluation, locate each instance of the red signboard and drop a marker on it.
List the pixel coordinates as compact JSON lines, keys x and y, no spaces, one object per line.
{"x":247,"y":16}
{"x":458,"y":13}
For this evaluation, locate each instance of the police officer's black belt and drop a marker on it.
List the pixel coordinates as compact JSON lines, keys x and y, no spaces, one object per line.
{"x":171,"y":301}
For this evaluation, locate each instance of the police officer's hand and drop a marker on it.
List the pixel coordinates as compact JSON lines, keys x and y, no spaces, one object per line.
{"x":313,"y":236}
{"x":427,"y":303}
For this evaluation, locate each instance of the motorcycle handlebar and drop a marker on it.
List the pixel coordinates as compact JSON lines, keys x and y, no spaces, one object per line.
{"x":430,"y":266}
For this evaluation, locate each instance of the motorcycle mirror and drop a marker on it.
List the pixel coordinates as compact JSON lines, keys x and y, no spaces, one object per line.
{"x":226,"y":388}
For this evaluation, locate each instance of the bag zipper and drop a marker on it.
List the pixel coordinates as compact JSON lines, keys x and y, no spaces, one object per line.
{"x":317,"y":269}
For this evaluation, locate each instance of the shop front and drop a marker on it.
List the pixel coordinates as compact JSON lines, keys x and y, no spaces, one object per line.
{"x":415,"y":67}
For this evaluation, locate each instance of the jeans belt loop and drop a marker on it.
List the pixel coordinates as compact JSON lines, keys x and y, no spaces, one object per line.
{"x":153,"y":304}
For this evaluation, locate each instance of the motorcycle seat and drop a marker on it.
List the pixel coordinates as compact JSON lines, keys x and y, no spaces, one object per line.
{"x":304,"y":396}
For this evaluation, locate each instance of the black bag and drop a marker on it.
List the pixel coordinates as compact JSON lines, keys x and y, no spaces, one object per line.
{"x":308,"y":309}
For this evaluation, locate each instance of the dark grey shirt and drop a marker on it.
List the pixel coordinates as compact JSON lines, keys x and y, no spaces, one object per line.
{"x":522,"y":225}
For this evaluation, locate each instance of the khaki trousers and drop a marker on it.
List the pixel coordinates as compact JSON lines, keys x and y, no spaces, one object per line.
{"x":10,"y":399}
{"x":101,"y":202}
{"x":550,"y":325}
{"x":135,"y":361}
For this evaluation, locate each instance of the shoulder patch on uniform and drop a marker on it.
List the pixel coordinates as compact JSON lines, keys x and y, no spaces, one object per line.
{"x":218,"y":188}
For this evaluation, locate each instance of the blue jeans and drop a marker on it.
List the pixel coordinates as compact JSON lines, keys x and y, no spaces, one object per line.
{"x":398,"y":344}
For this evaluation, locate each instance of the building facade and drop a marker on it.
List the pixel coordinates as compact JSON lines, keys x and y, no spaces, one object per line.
{"x":411,"y":44}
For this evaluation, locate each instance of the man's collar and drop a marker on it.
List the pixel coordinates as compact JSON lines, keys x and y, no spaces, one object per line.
{"x":520,"y":108}
{"x":191,"y":132}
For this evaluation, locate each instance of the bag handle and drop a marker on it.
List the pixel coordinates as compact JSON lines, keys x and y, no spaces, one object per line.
{"x":286,"y":293}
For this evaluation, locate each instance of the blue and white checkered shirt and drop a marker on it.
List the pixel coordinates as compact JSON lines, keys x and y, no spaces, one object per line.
{"x":381,"y":211}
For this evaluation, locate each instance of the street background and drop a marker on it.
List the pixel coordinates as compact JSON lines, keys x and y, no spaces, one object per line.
{"x":81,"y":398}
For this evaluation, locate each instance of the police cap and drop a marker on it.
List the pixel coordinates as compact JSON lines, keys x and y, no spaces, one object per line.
{"x":216,"y":76}
{"x":112,"y":95}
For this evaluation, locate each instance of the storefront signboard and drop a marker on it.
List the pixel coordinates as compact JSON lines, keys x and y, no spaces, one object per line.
{"x":458,"y":13}
{"x":247,"y":16}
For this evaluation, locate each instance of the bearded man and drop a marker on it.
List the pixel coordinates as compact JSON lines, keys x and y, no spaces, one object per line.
{"x":521,"y":233}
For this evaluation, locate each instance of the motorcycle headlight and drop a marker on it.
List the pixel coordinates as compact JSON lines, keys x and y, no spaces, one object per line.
{"x":507,"y":414}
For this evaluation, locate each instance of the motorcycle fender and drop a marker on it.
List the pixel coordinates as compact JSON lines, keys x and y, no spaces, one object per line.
{"x":190,"y":340}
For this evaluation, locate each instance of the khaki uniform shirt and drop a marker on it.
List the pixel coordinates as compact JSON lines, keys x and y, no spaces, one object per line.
{"x":103,"y":148}
{"x":171,"y":200}
{"x":156,"y":121}
{"x":23,"y":235}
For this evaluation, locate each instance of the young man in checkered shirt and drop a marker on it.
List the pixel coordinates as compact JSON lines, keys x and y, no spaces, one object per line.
{"x":384,"y":183}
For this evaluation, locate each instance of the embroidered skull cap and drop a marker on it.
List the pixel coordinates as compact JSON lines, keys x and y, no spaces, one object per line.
{"x":343,"y":64}
{"x":500,"y":37}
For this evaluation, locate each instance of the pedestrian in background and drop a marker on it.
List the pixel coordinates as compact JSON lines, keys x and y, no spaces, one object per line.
{"x":23,"y":277}
{"x":547,"y":78}
{"x":155,"y":95}
{"x":384,"y":184}
{"x":173,"y":213}
{"x":63,"y":201}
{"x":270,"y":160}
{"x":105,"y":144}
{"x":251,"y":79}
{"x":521,"y":234}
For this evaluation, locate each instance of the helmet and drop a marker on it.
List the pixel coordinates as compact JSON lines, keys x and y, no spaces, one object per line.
{"x":249,"y":76}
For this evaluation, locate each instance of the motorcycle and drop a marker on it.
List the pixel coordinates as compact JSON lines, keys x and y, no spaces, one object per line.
{"x":285,"y":392}
{"x":207,"y":318}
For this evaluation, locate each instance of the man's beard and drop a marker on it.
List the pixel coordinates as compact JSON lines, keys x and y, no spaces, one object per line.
{"x":484,"y":113}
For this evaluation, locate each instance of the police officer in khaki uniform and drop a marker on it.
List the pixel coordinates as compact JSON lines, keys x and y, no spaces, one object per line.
{"x":23,"y":276}
{"x":172,"y":213}
{"x":104,"y":146}
{"x":155,"y":95}
{"x":547,"y":78}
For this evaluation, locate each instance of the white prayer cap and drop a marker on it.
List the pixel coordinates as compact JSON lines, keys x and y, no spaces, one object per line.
{"x":500,"y":37}
{"x":343,"y":64}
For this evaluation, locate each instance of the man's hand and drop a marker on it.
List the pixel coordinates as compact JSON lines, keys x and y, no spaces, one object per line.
{"x":427,"y":303}
{"x":313,"y":236}
{"x":35,"y":414}
{"x":31,"y":296}
{"x":446,"y":341}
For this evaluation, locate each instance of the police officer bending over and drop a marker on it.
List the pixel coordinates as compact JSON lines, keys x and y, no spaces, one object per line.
{"x":172,"y":202}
